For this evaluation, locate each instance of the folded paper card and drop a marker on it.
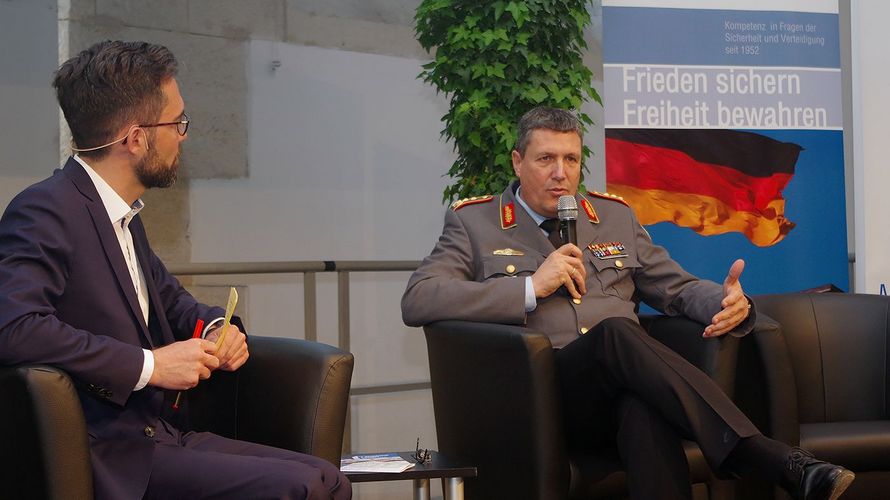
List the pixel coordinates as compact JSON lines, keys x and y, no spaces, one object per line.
{"x":380,"y":462}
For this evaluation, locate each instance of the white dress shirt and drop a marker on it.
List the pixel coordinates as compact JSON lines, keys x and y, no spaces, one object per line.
{"x":120,"y":214}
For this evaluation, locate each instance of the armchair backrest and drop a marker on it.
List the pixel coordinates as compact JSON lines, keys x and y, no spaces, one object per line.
{"x":310,"y":415}
{"x":512,"y":430}
{"x":44,"y":451}
{"x":290,"y":394}
{"x":716,"y":359}
{"x":838,"y":349}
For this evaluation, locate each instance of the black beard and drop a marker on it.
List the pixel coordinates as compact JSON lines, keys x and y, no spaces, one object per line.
{"x":152,"y":174}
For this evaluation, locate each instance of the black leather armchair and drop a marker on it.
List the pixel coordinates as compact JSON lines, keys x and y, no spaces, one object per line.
{"x":497,"y":407}
{"x":827,"y":381}
{"x":291,"y":394}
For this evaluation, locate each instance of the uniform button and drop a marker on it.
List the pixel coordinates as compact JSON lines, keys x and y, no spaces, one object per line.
{"x":149,"y":431}
{"x":576,"y":301}
{"x":619,"y":264}
{"x":511,"y":268}
{"x":583,"y":330}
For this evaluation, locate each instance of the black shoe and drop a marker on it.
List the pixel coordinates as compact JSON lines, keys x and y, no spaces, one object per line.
{"x":807,"y":478}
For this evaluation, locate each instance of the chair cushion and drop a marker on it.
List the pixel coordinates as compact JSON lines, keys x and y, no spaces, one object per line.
{"x":859,"y":446}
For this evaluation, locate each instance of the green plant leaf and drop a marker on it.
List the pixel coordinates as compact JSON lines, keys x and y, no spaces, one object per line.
{"x":475,"y":138}
{"x":493,"y":67}
{"x":497,"y":69}
{"x":535,"y":95}
{"x":479,"y":69}
{"x":522,"y":38}
{"x":498,"y":9}
{"x":519,"y":10}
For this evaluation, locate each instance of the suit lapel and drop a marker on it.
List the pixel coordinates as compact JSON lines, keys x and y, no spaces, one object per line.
{"x":108,"y":239}
{"x":140,"y":242}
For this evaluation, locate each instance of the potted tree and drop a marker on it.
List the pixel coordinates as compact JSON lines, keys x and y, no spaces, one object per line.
{"x":494,"y":61}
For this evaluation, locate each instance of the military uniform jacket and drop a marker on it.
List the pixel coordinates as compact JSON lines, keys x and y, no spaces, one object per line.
{"x":489,"y":244}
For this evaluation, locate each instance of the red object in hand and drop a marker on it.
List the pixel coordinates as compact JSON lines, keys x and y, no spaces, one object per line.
{"x":199,"y":326}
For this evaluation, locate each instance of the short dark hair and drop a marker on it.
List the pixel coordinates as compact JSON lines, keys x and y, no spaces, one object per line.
{"x":109,"y":85}
{"x":546,"y":118}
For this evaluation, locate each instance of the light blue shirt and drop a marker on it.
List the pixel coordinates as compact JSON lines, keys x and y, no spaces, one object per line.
{"x":531,"y":302}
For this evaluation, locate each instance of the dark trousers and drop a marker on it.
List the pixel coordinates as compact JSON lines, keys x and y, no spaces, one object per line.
{"x":621,"y":386}
{"x":204,"y":465}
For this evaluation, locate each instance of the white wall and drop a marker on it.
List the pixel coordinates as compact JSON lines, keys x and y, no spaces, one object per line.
{"x":345,"y":162}
{"x":341,"y":145}
{"x":30,"y":121}
{"x":871,"y":107}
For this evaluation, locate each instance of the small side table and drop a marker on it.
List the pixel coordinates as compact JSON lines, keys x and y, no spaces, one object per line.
{"x":442,"y":467}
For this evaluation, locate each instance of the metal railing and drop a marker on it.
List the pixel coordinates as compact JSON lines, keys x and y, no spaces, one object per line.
{"x":309,"y":269}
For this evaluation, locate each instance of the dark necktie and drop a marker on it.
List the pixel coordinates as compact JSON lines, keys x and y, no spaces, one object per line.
{"x":552,"y":228}
{"x":154,"y":328}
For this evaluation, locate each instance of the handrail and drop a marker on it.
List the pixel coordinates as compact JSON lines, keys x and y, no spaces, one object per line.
{"x":297,"y":266}
{"x":309,"y":268}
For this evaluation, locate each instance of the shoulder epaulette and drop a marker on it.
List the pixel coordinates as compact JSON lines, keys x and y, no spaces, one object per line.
{"x":607,"y":196}
{"x":472,"y":200}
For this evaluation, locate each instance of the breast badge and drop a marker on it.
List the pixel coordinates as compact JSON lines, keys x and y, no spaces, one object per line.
{"x":609,"y":250}
{"x":507,"y":251}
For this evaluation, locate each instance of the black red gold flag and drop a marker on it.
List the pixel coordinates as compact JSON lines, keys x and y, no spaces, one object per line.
{"x":713,"y":181}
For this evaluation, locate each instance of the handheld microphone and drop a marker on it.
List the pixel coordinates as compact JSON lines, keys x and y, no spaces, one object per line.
{"x":567,"y":211}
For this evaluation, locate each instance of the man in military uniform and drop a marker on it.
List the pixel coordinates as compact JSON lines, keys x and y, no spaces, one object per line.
{"x":495,"y":263}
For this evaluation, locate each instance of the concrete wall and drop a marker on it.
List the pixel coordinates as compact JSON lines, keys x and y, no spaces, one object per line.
{"x":346,"y":164}
{"x":30,"y":137}
{"x":310,"y":139}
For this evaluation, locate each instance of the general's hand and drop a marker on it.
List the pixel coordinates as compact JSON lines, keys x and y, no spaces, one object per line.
{"x":181,"y":365}
{"x":233,"y":353}
{"x":735,"y":305}
{"x":562,"y":267}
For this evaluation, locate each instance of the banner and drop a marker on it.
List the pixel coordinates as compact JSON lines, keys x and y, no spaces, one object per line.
{"x":724,"y":133}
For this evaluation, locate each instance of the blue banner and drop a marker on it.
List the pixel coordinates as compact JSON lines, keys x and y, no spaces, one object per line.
{"x":769,"y":188}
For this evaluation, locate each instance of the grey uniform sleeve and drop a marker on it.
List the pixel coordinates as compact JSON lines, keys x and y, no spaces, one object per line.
{"x":664,"y":285}
{"x":445,"y":286}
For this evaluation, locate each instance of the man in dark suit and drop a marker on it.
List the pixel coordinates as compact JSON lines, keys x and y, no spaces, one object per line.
{"x":81,"y":289}
{"x":495,"y":262}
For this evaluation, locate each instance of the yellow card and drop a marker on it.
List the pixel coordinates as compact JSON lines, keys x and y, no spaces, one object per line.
{"x":230,"y":309}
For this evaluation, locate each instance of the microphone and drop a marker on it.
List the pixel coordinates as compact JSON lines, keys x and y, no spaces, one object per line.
{"x":567,"y":211}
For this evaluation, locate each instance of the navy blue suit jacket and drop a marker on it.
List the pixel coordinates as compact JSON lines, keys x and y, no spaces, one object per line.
{"x":67,"y":300}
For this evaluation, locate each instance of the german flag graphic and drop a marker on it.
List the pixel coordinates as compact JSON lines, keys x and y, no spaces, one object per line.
{"x":712,"y":181}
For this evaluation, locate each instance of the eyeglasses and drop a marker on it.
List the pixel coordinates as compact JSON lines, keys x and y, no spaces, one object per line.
{"x":182,"y":125}
{"x":421,"y":455}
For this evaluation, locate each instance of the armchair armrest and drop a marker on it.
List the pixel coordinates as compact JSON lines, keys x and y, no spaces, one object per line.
{"x":294,"y":395}
{"x":766,"y":380}
{"x":290,"y":394}
{"x":496,"y":406}
{"x":717,"y":358}
{"x":44,"y":451}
